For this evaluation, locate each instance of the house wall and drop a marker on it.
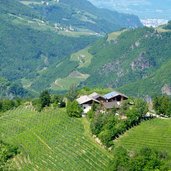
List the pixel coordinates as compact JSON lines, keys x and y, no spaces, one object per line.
{"x":86,"y":108}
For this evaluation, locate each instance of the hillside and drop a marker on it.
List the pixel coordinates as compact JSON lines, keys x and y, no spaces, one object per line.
{"x":82,"y":15}
{"x":138,"y":58}
{"x":50,"y":140}
{"x":154,"y":134}
{"x":128,"y":60}
{"x":35,"y":39}
{"x":30,"y":45}
{"x":12,"y":89}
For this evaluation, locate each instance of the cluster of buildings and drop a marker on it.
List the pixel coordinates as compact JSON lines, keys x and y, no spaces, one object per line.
{"x":108,"y":101}
{"x":154,"y":22}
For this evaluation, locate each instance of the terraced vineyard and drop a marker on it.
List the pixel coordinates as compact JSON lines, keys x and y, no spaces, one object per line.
{"x":154,"y":133}
{"x":50,"y":140}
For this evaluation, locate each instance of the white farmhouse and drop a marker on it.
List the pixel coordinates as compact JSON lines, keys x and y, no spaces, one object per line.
{"x":86,"y":103}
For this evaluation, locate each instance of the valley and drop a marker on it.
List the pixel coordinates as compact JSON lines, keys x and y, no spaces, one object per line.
{"x":127,"y":60}
{"x":84,"y":87}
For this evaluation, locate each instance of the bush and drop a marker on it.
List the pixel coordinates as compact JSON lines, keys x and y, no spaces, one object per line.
{"x":144,"y":160}
{"x":37,"y":105}
{"x":9,"y":104}
{"x":162,"y":105}
{"x":97,"y":123}
{"x":91,"y":114}
{"x":74,"y":109}
{"x":106,"y":137}
{"x":45,"y":99}
{"x":6,"y":152}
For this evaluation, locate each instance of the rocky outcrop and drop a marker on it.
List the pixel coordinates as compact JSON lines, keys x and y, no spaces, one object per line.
{"x":111,"y":67}
{"x":166,"y":89}
{"x":141,"y":63}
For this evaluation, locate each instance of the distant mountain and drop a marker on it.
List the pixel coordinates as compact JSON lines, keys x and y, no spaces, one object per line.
{"x":29,"y":45}
{"x":81,"y":15}
{"x":135,"y":61}
{"x":36,"y":36}
{"x":143,"y":8}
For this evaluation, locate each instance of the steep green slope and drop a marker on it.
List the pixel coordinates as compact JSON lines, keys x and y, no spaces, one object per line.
{"x":12,"y":89}
{"x":157,"y":83}
{"x":129,"y":60}
{"x":14,"y":7}
{"x":36,"y":37}
{"x":141,"y":58}
{"x":31,"y":50}
{"x":29,"y":46}
{"x":50,"y":140}
{"x":81,"y":14}
{"x":154,"y":134}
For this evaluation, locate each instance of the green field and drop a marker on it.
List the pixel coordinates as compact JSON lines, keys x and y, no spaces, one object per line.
{"x":154,"y":133}
{"x":115,"y":35}
{"x":83,"y":57}
{"x":50,"y":140}
{"x":74,"y":78}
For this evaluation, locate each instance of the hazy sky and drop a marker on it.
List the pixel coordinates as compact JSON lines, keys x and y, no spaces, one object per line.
{"x":142,"y":8}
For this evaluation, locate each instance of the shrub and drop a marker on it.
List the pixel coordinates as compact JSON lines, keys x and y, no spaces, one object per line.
{"x":145,"y":159}
{"x":74,"y":109}
{"x":106,"y":137}
{"x":45,"y":99}
{"x":6,"y":152}
{"x":91,"y":114}
{"x":162,"y":105}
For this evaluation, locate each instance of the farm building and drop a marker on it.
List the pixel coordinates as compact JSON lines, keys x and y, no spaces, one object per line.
{"x":108,"y":101}
{"x":97,"y":96}
{"x":115,"y":97}
{"x":86,"y":103}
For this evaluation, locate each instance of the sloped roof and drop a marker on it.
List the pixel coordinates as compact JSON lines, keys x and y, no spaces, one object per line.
{"x":95,"y":95}
{"x":113,"y":94}
{"x":85,"y":99}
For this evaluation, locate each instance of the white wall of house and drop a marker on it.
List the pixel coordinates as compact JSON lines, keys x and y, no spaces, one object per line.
{"x":86,"y":108}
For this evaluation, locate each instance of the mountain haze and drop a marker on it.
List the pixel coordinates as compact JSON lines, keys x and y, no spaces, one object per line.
{"x":143,"y":8}
{"x":81,"y":14}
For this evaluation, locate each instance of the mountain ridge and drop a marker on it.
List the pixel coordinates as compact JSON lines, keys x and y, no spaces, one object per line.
{"x":83,"y":15}
{"x":128,"y":60}
{"x":32,"y":46}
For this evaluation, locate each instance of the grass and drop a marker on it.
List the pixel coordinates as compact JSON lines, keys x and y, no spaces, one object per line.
{"x":161,"y":29}
{"x":115,"y":35}
{"x":50,"y":140}
{"x":65,"y":83}
{"x":154,"y":133}
{"x":44,"y":26}
{"x":83,"y":57}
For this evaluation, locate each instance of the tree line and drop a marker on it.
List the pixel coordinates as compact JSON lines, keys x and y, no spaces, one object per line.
{"x":145,"y":159}
{"x":111,"y":124}
{"x":7,"y":104}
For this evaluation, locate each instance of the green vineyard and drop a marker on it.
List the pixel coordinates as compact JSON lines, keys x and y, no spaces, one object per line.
{"x":50,"y":140}
{"x":154,"y":133}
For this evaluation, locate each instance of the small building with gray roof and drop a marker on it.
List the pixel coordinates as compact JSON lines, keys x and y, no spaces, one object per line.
{"x":86,"y":102}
